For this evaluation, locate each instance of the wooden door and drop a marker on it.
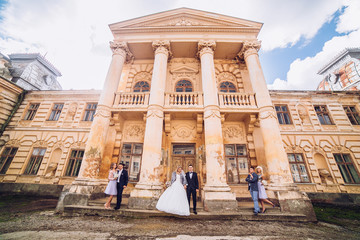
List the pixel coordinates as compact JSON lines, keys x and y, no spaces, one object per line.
{"x":183,"y":155}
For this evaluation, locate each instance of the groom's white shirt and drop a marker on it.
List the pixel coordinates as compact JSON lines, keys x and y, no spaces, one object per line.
{"x":119,"y":172}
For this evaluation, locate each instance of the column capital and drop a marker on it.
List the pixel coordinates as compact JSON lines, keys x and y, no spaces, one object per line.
{"x":206,"y":46}
{"x":121,"y":48}
{"x":249,"y":48}
{"x":162,"y":46}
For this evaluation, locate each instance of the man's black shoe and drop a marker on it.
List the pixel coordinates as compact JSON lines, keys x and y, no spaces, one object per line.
{"x":195,"y":212}
{"x":116,"y":208}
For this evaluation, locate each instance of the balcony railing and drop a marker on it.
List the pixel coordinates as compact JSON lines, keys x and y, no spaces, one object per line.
{"x":240,"y":100}
{"x":183,"y":99}
{"x":134,"y":99}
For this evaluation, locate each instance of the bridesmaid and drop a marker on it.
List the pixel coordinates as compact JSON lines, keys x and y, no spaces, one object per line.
{"x":262,"y":194}
{"x":111,"y":187}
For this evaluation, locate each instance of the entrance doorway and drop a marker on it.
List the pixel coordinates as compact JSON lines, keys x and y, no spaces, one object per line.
{"x":182,"y":154}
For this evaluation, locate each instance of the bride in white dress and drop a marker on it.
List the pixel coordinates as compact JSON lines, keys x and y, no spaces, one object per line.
{"x":174,"y":199}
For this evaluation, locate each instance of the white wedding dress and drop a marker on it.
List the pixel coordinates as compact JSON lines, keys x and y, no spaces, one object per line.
{"x":174,"y":199}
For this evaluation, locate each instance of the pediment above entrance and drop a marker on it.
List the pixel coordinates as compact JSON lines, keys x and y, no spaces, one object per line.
{"x":184,"y":19}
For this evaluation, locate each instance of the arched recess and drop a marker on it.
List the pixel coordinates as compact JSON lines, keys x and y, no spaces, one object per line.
{"x":323,"y":168}
{"x":53,"y":163}
{"x":227,"y":86}
{"x":141,"y":86}
{"x":184,"y":86}
{"x":229,"y":72}
{"x":138,"y":72}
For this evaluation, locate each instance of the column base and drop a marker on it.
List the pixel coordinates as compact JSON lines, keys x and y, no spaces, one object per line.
{"x":291,"y":200}
{"x":80,"y":192}
{"x":145,"y":196}
{"x":219,"y":198}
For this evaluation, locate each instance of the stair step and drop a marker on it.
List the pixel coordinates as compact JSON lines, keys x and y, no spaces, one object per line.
{"x":72,"y":210}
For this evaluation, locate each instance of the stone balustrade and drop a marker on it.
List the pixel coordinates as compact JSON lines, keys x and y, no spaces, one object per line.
{"x":184,"y":99}
{"x":237,"y":100}
{"x":133,"y":99}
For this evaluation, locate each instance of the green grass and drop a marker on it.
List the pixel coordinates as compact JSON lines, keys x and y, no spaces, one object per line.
{"x":339,"y":215}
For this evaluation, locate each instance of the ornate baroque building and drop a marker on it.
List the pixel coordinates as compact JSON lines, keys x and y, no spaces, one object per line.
{"x":186,"y":87}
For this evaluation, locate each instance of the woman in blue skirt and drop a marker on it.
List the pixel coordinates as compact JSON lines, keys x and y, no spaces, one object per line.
{"x":262,"y":193}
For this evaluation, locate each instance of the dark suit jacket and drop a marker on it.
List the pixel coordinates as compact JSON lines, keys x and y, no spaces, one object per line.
{"x":253,"y":186}
{"x":124,"y":178}
{"x":193,"y":183}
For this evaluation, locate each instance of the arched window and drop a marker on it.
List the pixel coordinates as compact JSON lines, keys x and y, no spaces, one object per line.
{"x":227,"y":87}
{"x":142,"y":86}
{"x":183,"y":86}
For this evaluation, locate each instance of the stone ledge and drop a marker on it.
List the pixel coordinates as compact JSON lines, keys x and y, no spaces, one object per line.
{"x":32,"y":189}
{"x":132,"y":213}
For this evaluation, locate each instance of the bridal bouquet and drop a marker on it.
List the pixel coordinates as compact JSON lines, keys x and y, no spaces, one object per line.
{"x":116,"y":175}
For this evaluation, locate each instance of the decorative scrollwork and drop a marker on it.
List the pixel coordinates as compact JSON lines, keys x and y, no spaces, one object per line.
{"x":121,"y":48}
{"x":103,"y":111}
{"x":204,"y":46}
{"x":162,"y":46}
{"x":249,"y":48}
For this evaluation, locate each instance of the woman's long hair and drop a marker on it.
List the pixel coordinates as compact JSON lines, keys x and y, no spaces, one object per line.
{"x":112,"y":165}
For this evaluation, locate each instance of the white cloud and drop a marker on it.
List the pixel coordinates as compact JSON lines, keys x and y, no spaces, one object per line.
{"x":303,"y":73}
{"x":75,"y":34}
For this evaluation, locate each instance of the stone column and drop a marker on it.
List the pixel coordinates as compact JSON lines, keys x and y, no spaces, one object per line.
{"x":217,"y":194}
{"x":148,"y":189}
{"x":88,"y":182}
{"x":278,"y":168}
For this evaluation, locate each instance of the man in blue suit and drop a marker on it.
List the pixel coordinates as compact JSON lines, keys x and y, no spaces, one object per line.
{"x":121,"y":183}
{"x":252,"y":179}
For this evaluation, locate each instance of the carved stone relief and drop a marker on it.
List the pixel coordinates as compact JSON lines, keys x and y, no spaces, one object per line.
{"x":303,"y":115}
{"x":234,"y":133}
{"x":134,"y":132}
{"x":71,"y":112}
{"x":181,"y":131}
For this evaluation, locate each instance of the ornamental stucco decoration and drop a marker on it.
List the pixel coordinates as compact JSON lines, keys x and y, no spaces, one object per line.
{"x":135,"y":131}
{"x":249,"y":48}
{"x":155,"y":113}
{"x":232,"y":132}
{"x":103,"y":111}
{"x":121,"y":48}
{"x":267,"y":114}
{"x":212,"y":114}
{"x":206,"y":46}
{"x":162,"y":46}
{"x":184,"y":22}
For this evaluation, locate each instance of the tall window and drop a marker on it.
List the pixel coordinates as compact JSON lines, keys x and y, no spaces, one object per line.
{"x":352,"y":115}
{"x":142,"y":86}
{"x":227,"y":87}
{"x":6,"y":158}
{"x":35,"y":161}
{"x":90,"y":111}
{"x":30,"y":114}
{"x":298,"y":168}
{"x":56,"y":111}
{"x":236,"y":162}
{"x":183,"y":86}
{"x":283,"y":114}
{"x":131,"y":157}
{"x":74,"y":165}
{"x":347,"y":169}
{"x":323,"y":114}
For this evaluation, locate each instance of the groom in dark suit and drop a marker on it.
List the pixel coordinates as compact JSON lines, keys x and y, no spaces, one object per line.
{"x":192,"y":186}
{"x":121,"y":183}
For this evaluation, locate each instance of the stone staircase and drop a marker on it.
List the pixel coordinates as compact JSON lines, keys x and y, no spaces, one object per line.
{"x":244,"y":212}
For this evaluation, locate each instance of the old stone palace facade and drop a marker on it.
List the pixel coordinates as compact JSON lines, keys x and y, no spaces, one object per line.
{"x":186,"y":87}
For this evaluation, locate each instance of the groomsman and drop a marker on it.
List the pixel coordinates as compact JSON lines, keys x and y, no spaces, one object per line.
{"x":192,"y":186}
{"x":121,"y":183}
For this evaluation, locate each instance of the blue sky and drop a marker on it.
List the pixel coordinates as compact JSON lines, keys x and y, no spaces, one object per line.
{"x":298,"y":37}
{"x":276,"y":63}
